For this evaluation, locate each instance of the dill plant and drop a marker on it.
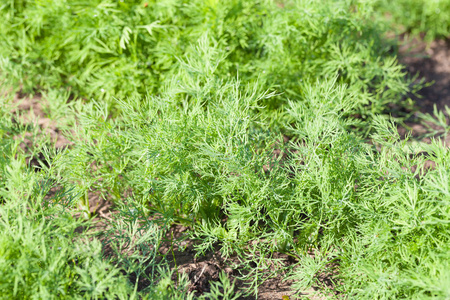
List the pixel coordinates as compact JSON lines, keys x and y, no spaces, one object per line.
{"x":37,"y":255}
{"x":370,"y":211}
{"x":208,"y":164}
{"x":191,"y":103}
{"x":44,"y":251}
{"x":105,"y":49}
{"x":430,"y":18}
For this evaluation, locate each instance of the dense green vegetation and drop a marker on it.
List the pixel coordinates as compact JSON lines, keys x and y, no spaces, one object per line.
{"x":263,"y":126}
{"x":427,"y":17}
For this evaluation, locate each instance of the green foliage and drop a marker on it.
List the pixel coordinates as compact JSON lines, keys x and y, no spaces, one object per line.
{"x":258,"y":125}
{"x":44,"y":253}
{"x":222,"y":289}
{"x":38,"y":256}
{"x":105,"y":49}
{"x":200,"y":161}
{"x":428,"y":17}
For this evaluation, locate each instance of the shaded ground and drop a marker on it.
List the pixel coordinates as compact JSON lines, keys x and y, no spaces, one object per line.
{"x":431,"y":63}
{"x":201,"y":270}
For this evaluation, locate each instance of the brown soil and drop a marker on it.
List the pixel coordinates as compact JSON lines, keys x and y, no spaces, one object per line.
{"x":204,"y":269}
{"x":30,"y":111}
{"x":431,"y":63}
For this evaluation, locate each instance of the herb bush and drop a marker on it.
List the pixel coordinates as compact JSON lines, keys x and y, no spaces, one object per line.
{"x":428,"y":17}
{"x":43,"y":254}
{"x":106,"y":49}
{"x":46,"y":253}
{"x":191,"y":102}
{"x":383,"y":226}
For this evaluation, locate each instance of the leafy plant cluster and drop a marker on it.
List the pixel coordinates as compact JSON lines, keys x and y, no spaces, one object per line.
{"x":106,"y":49}
{"x":47,"y":250}
{"x":429,"y":18}
{"x":257,"y":124}
{"x":376,"y":212}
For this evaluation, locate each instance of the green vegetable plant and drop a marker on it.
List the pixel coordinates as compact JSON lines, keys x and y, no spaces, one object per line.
{"x":418,"y":17}
{"x":106,"y":49}
{"x":260,"y":126}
